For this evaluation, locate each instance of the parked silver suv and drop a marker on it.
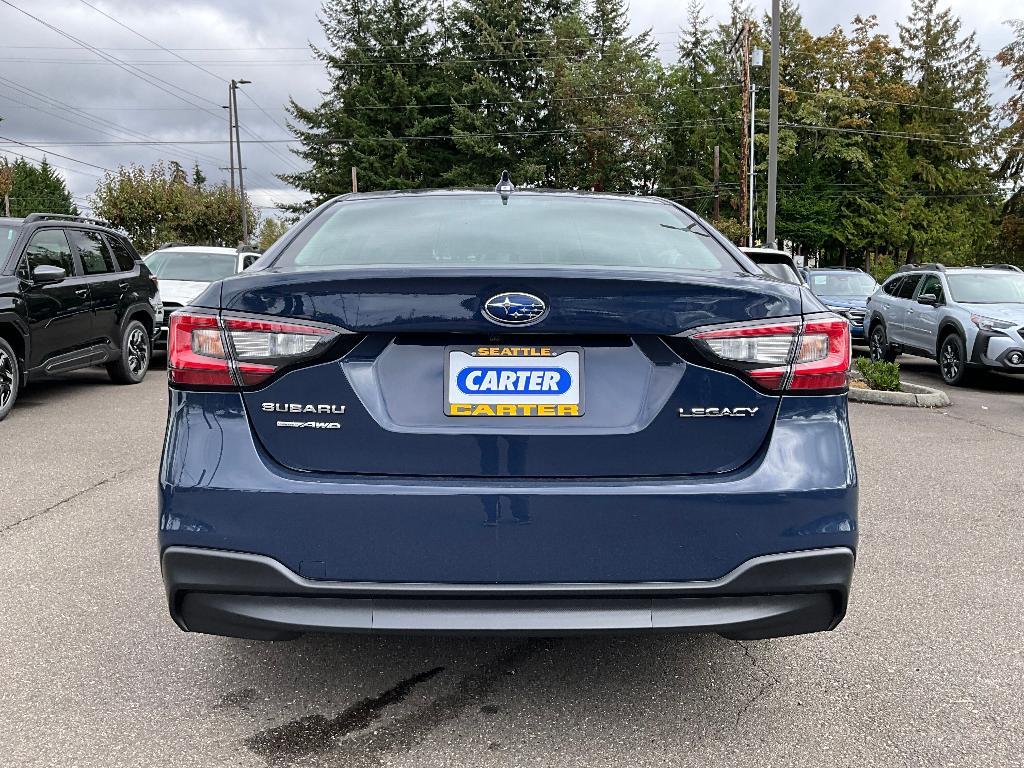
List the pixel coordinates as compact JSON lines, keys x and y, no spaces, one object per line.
{"x":966,"y":318}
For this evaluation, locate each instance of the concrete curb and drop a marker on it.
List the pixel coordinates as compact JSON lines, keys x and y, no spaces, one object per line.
{"x":914,"y":395}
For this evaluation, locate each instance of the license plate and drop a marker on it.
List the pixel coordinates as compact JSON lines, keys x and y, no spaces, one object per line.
{"x":513,"y":381}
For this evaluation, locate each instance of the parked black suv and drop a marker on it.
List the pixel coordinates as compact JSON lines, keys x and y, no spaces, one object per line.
{"x":73,"y":293}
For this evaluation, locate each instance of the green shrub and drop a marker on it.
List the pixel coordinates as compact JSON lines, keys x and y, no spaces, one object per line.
{"x":879,"y":375}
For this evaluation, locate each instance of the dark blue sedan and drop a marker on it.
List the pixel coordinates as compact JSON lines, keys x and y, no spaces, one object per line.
{"x":514,"y":411}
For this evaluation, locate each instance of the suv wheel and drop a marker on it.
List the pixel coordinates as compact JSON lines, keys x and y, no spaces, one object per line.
{"x":10,"y":378}
{"x":879,"y":345}
{"x":953,"y":360}
{"x":136,"y":350}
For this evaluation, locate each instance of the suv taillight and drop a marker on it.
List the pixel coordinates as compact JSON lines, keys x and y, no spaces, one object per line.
{"x":207,"y":350}
{"x":808,"y":355}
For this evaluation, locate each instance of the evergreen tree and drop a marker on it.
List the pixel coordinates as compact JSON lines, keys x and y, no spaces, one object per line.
{"x":606,"y":84}
{"x":702,"y":111}
{"x":39,"y":188}
{"x":952,"y":196}
{"x":498,"y":104}
{"x":381,"y":60}
{"x":1011,"y":166}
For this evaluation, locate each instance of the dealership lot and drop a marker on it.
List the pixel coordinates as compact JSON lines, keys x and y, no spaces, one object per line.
{"x":925,"y":670}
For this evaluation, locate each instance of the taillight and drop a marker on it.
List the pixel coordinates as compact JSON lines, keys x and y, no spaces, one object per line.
{"x":812,"y":354}
{"x":223,"y":351}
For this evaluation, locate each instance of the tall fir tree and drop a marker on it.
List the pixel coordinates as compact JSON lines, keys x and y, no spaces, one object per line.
{"x":1011,"y":165}
{"x":498,"y":103}
{"x":952,"y":195}
{"x":607,"y":85}
{"x":381,"y":57}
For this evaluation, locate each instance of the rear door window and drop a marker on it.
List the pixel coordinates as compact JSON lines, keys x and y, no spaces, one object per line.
{"x":49,"y":247}
{"x":92,"y":250}
{"x":893,"y":286}
{"x":123,"y":256}
{"x":907,"y":287}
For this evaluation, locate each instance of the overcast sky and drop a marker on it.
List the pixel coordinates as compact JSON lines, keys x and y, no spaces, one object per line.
{"x":58,"y":94}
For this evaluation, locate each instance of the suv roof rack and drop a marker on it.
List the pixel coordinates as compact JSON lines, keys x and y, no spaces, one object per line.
{"x":1012,"y":267}
{"x":930,"y":265}
{"x":839,"y":269}
{"x":65,"y":217}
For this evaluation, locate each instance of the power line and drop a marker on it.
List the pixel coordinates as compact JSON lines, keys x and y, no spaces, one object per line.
{"x":51,"y":101}
{"x":54,"y":165}
{"x":181,"y":58}
{"x":56,"y":154}
{"x":843,"y":97}
{"x":151,"y":41}
{"x":146,"y":77}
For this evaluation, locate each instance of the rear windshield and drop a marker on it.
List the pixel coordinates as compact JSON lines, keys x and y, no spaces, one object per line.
{"x":532,"y":229}
{"x":191,"y":265}
{"x":994,"y":288}
{"x":782,"y":272}
{"x":8,"y":234}
{"x":852,"y":284}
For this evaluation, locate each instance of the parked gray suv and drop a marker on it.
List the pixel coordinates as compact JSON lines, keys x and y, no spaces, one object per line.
{"x":966,"y":318}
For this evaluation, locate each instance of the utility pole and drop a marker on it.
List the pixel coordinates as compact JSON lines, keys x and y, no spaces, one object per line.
{"x":355,"y":179}
{"x":756,"y":60}
{"x":773,"y":127}
{"x":718,"y":185}
{"x":238,"y":150}
{"x":745,"y":140}
{"x":753,"y":204}
{"x":231,"y":135}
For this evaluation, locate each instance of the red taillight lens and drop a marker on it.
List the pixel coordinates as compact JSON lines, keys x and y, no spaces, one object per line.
{"x":823,"y":359}
{"x":809,"y":355}
{"x":206,"y":350}
{"x":195,"y":351}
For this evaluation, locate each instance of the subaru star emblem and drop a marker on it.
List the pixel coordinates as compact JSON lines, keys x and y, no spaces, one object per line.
{"x":514,"y":309}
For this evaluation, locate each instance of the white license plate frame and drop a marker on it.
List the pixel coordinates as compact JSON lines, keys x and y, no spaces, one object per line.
{"x":547,"y":381}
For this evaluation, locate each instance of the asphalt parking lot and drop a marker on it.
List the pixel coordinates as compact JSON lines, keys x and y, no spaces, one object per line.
{"x":926,"y":670}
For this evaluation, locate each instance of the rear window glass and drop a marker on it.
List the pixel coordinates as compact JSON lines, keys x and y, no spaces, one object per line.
{"x":988,"y":288}
{"x":92,"y":250}
{"x":532,"y":229}
{"x":122,"y":254}
{"x":8,"y":235}
{"x":191,"y":265}
{"x":781,"y":272}
{"x":851,"y":284}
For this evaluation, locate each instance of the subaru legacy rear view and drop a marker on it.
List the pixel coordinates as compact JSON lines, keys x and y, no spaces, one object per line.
{"x":517,"y":412}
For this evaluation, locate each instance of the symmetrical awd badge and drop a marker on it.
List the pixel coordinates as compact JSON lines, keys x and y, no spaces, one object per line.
{"x":301,"y":408}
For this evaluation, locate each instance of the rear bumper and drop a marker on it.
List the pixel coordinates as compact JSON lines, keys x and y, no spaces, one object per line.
{"x":253,"y":596}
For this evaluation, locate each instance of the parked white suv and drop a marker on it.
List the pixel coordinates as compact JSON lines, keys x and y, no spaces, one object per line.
{"x":185,"y":271}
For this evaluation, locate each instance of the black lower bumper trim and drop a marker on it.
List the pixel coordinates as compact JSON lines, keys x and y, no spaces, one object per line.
{"x":256,"y":597}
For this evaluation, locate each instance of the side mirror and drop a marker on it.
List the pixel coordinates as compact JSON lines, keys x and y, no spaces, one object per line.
{"x":928,"y":298}
{"x":249,"y":259}
{"x":47,"y":273}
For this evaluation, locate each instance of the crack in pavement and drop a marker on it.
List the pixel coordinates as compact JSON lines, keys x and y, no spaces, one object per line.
{"x":982,"y":425}
{"x":72,"y":497}
{"x":770,"y":681}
